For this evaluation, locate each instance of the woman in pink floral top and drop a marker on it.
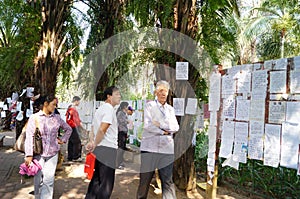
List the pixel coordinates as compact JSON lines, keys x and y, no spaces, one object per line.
{"x":49,"y":124}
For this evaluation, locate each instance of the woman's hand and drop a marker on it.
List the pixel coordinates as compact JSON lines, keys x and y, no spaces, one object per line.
{"x":59,"y":141}
{"x":28,"y":160}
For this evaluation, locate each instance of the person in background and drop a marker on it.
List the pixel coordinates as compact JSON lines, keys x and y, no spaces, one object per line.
{"x":48,"y":124}
{"x":104,"y":144}
{"x":130,"y":112}
{"x":122,"y":133}
{"x":157,"y":144}
{"x":73,"y":119}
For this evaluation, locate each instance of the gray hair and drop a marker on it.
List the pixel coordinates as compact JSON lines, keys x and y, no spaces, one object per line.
{"x":162,"y":83}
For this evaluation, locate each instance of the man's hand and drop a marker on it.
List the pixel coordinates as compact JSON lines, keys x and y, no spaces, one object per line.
{"x":156,"y":123}
{"x":90,"y":147}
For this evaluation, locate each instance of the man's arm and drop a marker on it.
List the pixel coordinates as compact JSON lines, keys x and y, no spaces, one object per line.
{"x":94,"y":141}
{"x":101,"y":132}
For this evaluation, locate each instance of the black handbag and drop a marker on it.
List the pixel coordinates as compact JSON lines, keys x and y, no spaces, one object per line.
{"x":37,"y":140}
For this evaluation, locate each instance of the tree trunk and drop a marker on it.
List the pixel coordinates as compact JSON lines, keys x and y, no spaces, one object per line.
{"x":49,"y":59}
{"x":186,"y":22}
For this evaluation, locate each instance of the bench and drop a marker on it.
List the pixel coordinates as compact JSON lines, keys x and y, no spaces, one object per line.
{"x":1,"y":140}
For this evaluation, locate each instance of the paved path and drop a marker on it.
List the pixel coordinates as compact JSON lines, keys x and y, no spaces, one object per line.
{"x":70,"y":182}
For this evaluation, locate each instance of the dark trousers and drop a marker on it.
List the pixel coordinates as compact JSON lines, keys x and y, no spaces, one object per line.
{"x":102,"y":182}
{"x":122,"y":137}
{"x":74,"y":145}
{"x":164,"y":164}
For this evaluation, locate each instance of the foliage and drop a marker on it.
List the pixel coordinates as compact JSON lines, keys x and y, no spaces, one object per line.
{"x":157,"y":13}
{"x":276,"y":25}
{"x":216,"y":33}
{"x":19,"y":24}
{"x":201,"y":150}
{"x":258,"y":179}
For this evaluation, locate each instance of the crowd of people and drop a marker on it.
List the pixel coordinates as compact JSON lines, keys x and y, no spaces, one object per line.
{"x":107,"y":141}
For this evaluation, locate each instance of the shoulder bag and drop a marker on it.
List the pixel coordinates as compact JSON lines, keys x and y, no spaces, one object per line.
{"x":37,"y":140}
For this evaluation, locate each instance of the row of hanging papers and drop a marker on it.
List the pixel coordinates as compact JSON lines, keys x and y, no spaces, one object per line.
{"x":248,"y":94}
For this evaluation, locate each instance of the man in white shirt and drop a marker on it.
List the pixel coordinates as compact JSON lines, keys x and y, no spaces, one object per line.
{"x":157,"y":144}
{"x":104,"y":144}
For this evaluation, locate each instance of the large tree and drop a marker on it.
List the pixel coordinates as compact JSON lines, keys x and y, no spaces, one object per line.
{"x":276,"y":26}
{"x":182,"y":16}
{"x":58,"y":46}
{"x":106,"y":19}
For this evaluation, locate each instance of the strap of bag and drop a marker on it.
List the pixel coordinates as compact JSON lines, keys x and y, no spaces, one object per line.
{"x":37,"y":124}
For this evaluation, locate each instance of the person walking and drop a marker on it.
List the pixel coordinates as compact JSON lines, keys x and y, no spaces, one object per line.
{"x":157,"y":144}
{"x":122,"y":133}
{"x":73,"y":119}
{"x":104,"y":144}
{"x":48,"y":123}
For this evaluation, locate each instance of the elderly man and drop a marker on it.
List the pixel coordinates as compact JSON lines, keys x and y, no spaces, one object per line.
{"x":157,"y":144}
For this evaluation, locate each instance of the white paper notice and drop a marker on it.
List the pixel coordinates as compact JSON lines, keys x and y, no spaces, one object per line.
{"x":295,"y":81}
{"x":19,"y":106}
{"x":277,"y":111}
{"x":213,"y":118}
{"x":3,"y":114}
{"x":281,"y":64}
{"x":212,"y":138}
{"x":5,"y":108}
{"x":242,"y":110}
{"x":240,"y":142}
{"x":278,"y":82}
{"x":229,"y":107}
{"x":231,"y":162}
{"x":191,"y":106}
{"x":244,"y":82}
{"x":182,"y":70}
{"x":1,"y":104}
{"x":228,"y":85}
{"x":178,"y":104}
{"x":293,"y":112}
{"x":29,"y":91}
{"x":8,"y":100}
{"x":290,"y":145}
{"x":268,"y":65}
{"x":272,"y":145}
{"x":214,"y":92}
{"x":210,"y":164}
{"x":259,"y":84}
{"x":257,"y":110}
{"x":256,"y":134}
{"x":227,"y":138}
{"x":296,"y":62}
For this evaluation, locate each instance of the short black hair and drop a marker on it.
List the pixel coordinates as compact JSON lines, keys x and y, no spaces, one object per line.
{"x":76,"y":98}
{"x":109,"y":91}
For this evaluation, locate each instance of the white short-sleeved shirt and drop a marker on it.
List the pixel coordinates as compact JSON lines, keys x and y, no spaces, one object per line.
{"x":107,"y":114}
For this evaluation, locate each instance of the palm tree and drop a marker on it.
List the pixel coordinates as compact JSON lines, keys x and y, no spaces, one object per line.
{"x":276,"y":16}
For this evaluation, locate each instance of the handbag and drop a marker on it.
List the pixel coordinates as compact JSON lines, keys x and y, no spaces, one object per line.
{"x":89,"y":165}
{"x":30,"y":170}
{"x":37,"y":140}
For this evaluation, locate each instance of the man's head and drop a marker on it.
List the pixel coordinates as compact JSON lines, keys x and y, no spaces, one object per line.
{"x":112,"y":95}
{"x":162,"y":91}
{"x":76,"y":100}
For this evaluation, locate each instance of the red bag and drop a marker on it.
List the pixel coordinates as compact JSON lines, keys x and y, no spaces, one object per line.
{"x":89,"y":165}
